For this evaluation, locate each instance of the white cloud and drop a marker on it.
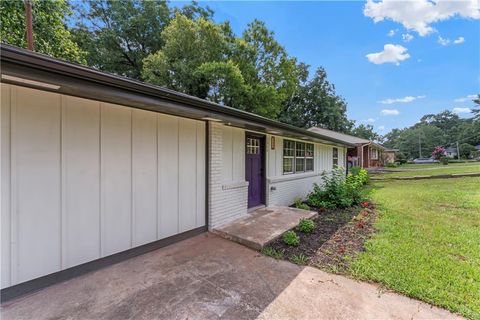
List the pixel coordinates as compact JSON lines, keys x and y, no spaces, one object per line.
{"x":369,"y":120}
{"x":407,"y":37}
{"x":392,"y":32}
{"x":443,"y":41}
{"x":418,"y":15}
{"x":462,"y":110}
{"x":470,"y":97}
{"x":381,"y":128}
{"x":392,"y":53}
{"x":446,"y":42}
{"x":406,"y":99}
{"x":390,"y":112}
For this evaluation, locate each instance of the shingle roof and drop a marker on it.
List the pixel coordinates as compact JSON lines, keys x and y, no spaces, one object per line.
{"x":339,"y":136}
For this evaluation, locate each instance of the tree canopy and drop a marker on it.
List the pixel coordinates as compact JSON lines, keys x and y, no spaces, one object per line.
{"x":50,"y":33}
{"x":316,"y":103}
{"x":183,"y":48}
{"x":442,"y":129}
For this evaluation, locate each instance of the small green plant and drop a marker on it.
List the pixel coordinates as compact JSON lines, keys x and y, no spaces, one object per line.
{"x":299,"y":204}
{"x":300,"y":259}
{"x":271,"y":252}
{"x":306,"y":226}
{"x":290,"y":238}
{"x":444,"y":160}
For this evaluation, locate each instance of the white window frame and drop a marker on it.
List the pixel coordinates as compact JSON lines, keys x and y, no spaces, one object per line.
{"x":295,"y":158}
{"x":374,"y":154}
{"x":310,"y":157}
{"x":334,"y":158}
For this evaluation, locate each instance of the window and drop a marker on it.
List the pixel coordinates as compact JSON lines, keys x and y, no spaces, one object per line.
{"x":374,"y":154}
{"x":288,"y":156}
{"x":253,"y":146}
{"x":297,"y":156}
{"x":335,"y":157}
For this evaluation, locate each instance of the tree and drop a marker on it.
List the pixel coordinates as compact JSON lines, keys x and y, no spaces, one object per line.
{"x":446,"y":121}
{"x":193,"y":11}
{"x":194,"y":54}
{"x":391,"y":138}
{"x":366,"y":132}
{"x":201,"y":58}
{"x":268,"y":70}
{"x":119,"y":34}
{"x":420,"y":137}
{"x":50,"y":33}
{"x":466,"y":150}
{"x":316,"y":103}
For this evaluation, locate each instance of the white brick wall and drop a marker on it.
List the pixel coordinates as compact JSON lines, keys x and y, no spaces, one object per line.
{"x":287,"y":188}
{"x":227,"y":201}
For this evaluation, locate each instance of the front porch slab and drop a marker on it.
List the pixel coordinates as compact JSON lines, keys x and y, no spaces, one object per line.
{"x":263,"y":226}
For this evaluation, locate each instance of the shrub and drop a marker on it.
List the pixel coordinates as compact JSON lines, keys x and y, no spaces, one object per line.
{"x":299,"y":204}
{"x":392,"y":165}
{"x":438,"y":152}
{"x":306,"y":226}
{"x":290,"y":238}
{"x":444,"y":160}
{"x":300,"y":259}
{"x":333,"y":194}
{"x":271,"y":252}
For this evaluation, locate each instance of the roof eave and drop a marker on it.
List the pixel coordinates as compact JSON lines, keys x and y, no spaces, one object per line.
{"x":23,"y":62}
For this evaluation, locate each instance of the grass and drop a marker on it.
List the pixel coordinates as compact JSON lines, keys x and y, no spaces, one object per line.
{"x":300,"y":259}
{"x":410,"y":170}
{"x":271,"y":252}
{"x":427,"y":242}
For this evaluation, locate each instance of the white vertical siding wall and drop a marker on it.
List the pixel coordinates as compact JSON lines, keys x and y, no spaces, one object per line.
{"x":88,"y":179}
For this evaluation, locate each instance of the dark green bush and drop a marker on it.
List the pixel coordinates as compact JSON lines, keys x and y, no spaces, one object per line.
{"x":444,"y":160}
{"x":290,"y":238}
{"x":306,"y":226}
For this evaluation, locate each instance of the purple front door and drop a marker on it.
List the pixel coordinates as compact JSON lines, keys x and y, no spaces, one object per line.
{"x":254,"y":170}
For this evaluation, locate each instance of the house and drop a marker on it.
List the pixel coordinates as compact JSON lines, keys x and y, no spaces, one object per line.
{"x":96,"y":168}
{"x":450,"y":152}
{"x":390,"y":155}
{"x":364,"y":153}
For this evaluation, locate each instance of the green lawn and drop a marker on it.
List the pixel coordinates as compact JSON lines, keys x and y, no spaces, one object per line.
{"x":427,"y":242}
{"x":410,"y":170}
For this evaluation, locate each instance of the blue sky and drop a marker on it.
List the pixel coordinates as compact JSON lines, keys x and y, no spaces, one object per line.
{"x":338,"y":36}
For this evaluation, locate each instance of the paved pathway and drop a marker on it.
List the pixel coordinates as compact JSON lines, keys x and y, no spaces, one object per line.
{"x":207,"y":277}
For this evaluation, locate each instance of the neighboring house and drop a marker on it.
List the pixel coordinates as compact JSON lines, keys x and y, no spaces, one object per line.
{"x":390,"y":155}
{"x":450,"y":152}
{"x":97,"y":168}
{"x":365,"y":153}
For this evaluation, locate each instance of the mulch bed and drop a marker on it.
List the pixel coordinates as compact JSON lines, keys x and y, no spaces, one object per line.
{"x":340,"y":234}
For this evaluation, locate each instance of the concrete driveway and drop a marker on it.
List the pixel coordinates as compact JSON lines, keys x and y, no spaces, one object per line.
{"x":207,"y":277}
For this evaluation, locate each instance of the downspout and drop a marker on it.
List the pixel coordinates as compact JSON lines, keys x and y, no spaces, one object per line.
{"x":361,"y":148}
